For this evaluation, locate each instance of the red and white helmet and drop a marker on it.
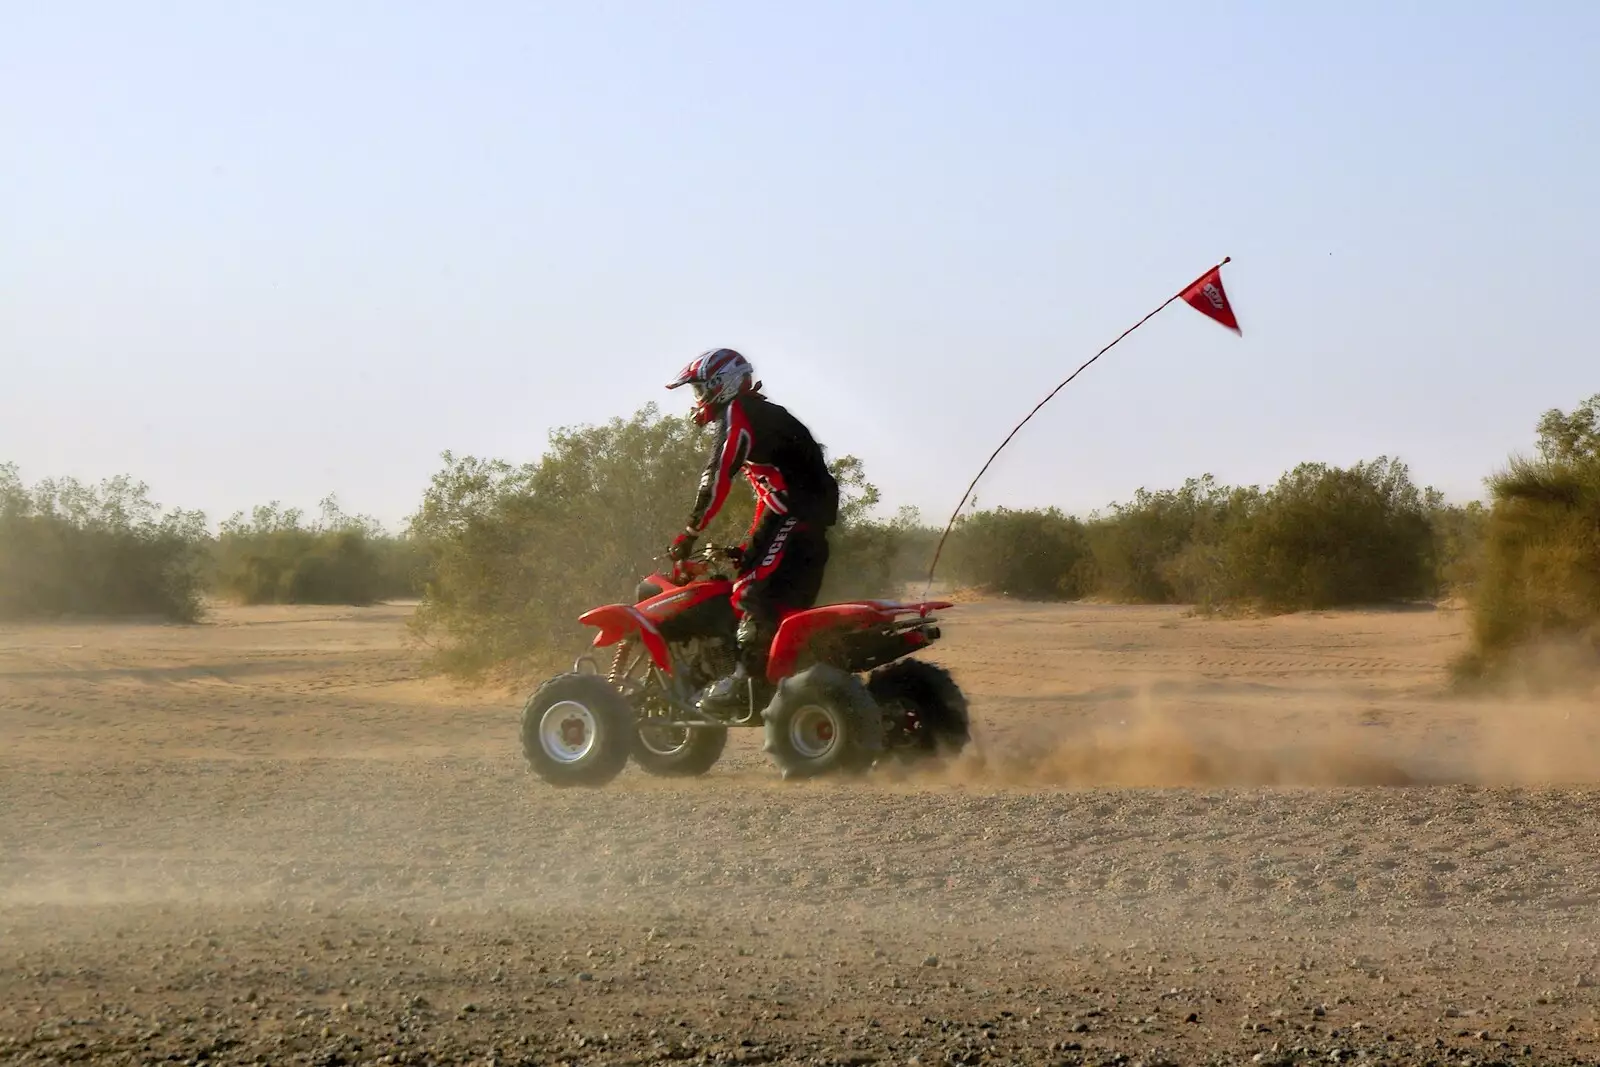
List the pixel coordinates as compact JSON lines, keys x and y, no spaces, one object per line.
{"x":718,"y":376}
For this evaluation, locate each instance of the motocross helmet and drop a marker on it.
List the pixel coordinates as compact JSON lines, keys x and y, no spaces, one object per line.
{"x":717,"y":375}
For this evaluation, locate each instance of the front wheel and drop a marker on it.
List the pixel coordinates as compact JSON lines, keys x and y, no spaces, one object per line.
{"x":677,"y":751}
{"x":822,"y":721}
{"x":577,"y":730}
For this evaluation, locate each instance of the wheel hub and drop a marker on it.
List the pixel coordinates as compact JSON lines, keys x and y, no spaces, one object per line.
{"x":567,"y":731}
{"x":813,"y":731}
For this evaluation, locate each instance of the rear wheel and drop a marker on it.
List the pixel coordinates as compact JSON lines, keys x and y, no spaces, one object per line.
{"x":577,"y":730}
{"x":934,"y":709}
{"x":677,"y":751}
{"x":822,"y":721}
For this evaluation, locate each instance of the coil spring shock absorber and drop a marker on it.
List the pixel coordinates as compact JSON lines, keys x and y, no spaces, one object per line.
{"x":615,"y":677}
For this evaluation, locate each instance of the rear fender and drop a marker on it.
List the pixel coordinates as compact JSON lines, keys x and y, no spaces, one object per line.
{"x":798,"y":630}
{"x":616,"y":621}
{"x":896,"y":607}
{"x":880,"y":645}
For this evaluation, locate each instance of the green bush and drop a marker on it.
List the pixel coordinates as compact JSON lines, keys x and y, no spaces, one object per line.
{"x":1327,"y":536}
{"x":1149,"y":550}
{"x":869,"y":556}
{"x":1321,"y":537}
{"x":1538,"y":582}
{"x":1571,"y":436}
{"x":875,"y":557}
{"x":71,"y":549}
{"x":1031,"y":555}
{"x":1209,"y":571}
{"x":276,"y":557}
{"x":517,"y":553}
{"x":1458,"y":545}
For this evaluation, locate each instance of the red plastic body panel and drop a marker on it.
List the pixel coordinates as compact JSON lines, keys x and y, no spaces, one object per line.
{"x":799,"y":628}
{"x":616,"y":621}
{"x":664,"y":581}
{"x":681,"y":598}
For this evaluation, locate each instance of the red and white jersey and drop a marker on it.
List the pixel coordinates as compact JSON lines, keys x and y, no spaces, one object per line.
{"x":778,"y":456}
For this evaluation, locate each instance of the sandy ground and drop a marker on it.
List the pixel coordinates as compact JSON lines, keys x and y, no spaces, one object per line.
{"x":267,"y":839}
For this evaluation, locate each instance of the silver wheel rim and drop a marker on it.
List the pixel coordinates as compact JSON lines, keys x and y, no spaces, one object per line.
{"x":813,"y":731}
{"x":663,"y":740}
{"x":567,"y":731}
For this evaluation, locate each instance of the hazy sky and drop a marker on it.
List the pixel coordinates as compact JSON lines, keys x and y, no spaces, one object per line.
{"x":271,"y":250}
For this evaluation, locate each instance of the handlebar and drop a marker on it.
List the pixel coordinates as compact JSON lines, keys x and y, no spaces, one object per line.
{"x":710,"y":560}
{"x":720,"y":553}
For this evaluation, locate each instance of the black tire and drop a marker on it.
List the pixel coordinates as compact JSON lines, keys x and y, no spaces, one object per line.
{"x":822,"y":721}
{"x":944,"y":726}
{"x":595,"y":736}
{"x":699,"y":751}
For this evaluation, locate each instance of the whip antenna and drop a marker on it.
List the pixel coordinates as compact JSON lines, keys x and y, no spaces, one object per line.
{"x":1205,"y":294}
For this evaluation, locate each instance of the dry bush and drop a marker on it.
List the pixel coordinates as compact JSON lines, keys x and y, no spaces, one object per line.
{"x":71,"y":549}
{"x":1031,"y":555}
{"x":1538,"y":584}
{"x":517,"y":553}
{"x":1458,"y":545}
{"x":1321,"y":537}
{"x":1327,"y":537}
{"x":277,"y":557}
{"x":1157,"y":548}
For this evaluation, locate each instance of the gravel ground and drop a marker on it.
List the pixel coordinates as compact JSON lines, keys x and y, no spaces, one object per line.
{"x":266,"y":840}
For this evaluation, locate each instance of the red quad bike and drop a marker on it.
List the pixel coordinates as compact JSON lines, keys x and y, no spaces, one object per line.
{"x":581,"y":727}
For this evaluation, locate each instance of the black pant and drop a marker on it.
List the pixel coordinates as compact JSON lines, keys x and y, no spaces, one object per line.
{"x":782,"y":573}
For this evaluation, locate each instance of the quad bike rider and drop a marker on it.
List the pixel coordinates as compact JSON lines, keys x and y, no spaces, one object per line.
{"x":709,"y":647}
{"x":781,"y":564}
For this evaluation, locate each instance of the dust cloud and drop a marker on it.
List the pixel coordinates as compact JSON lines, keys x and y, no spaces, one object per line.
{"x":1542,"y":732}
{"x":1160,"y":753}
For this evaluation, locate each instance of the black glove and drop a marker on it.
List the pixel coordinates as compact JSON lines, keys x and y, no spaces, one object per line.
{"x":682,"y":546}
{"x":735,"y":554}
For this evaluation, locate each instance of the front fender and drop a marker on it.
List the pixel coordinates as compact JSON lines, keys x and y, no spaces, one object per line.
{"x":616,"y":621}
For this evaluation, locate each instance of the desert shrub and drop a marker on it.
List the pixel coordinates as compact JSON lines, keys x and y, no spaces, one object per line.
{"x":1208,"y":570}
{"x":1571,"y":436}
{"x":1327,"y":536}
{"x":1321,"y":537}
{"x":915,"y":541}
{"x":1142,"y":549}
{"x":1031,"y":555}
{"x":402,"y":566}
{"x":1539,"y":573}
{"x":1458,"y":545}
{"x":870,"y":556}
{"x":275,"y":556}
{"x":72,"y":549}
{"x":517,"y":552}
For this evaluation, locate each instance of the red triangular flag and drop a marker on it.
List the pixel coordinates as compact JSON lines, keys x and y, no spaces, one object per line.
{"x":1208,"y":297}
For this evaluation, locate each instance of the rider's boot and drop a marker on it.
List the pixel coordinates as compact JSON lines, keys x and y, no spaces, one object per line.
{"x":729,"y":697}
{"x":746,"y":691}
